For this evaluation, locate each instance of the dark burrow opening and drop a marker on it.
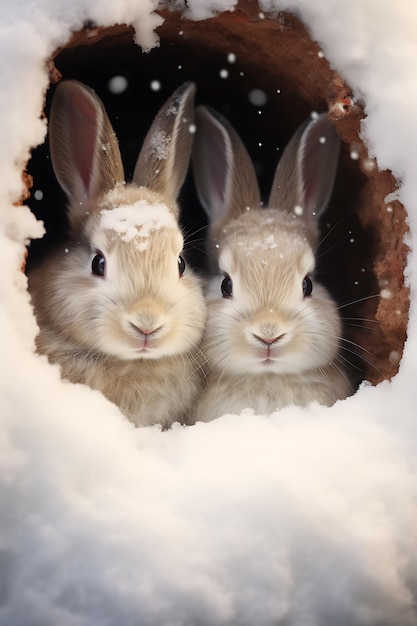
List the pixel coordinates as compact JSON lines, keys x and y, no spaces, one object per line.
{"x":265,"y":76}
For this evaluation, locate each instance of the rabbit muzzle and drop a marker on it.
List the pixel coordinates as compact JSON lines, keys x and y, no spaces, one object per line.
{"x":147,"y":324}
{"x":267,"y":335}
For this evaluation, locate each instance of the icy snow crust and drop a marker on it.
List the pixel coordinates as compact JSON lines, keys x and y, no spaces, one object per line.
{"x":306,"y":517}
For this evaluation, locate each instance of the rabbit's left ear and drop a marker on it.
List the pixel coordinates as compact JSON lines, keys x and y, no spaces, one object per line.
{"x":224,"y":175}
{"x":84,"y":149}
{"x":306,"y":171}
{"x":165,"y":155}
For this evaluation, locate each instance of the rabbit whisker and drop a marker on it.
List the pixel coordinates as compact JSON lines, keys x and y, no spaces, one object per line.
{"x":363,"y":358}
{"x":351,"y":325}
{"x":190,"y":232}
{"x":360,"y":319}
{"x":342,"y":306}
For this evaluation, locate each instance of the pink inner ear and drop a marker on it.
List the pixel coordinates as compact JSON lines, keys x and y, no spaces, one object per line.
{"x":218,"y":170}
{"x":311,"y":173}
{"x":318,"y":163}
{"x":215,"y":166}
{"x":82,"y":120}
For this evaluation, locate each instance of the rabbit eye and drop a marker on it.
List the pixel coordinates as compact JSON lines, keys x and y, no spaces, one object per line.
{"x":98,"y":264}
{"x":181,"y":265}
{"x":307,"y":286}
{"x":227,"y":287}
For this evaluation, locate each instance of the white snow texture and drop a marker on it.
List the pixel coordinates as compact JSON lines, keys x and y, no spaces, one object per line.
{"x":302,"y":518}
{"x":135,"y":221}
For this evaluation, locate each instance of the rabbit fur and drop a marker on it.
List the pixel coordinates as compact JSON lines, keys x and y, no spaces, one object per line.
{"x":112,"y":305}
{"x":269,"y":342}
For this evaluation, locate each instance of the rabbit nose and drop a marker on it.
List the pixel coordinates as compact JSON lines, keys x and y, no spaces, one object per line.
{"x":146,"y":331}
{"x":268,"y":340}
{"x":146,"y":317}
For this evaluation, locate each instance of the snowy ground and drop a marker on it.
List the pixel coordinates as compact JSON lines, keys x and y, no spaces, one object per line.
{"x":306,"y":517}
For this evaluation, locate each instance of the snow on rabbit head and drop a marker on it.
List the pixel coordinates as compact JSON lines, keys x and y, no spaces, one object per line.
{"x":137,"y":221}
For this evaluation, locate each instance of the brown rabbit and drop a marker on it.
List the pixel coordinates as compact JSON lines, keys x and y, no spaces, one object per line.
{"x":116,"y":305}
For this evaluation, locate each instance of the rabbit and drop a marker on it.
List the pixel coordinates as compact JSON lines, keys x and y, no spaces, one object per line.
{"x":272,"y":335}
{"x":117,"y":307}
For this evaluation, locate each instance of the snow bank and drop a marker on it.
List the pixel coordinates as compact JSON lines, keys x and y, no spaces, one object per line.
{"x":306,"y":517}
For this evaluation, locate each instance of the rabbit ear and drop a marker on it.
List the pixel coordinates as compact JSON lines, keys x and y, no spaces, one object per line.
{"x":165,"y":156}
{"x":306,"y":171}
{"x":224,"y":175}
{"x":84,"y":150}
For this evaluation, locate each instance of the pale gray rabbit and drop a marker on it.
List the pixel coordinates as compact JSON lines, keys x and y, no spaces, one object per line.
{"x":273,"y":332}
{"x":117,"y":308}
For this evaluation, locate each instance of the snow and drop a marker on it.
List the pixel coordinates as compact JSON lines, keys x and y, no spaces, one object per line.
{"x":257,"y":97}
{"x":118,"y":84}
{"x":155,"y":85}
{"x":160,"y":144}
{"x":306,"y":517}
{"x":137,"y":220}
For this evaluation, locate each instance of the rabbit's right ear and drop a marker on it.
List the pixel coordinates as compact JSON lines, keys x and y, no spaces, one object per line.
{"x":84,"y":149}
{"x":165,"y":155}
{"x":223,"y":172}
{"x":306,"y":171}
